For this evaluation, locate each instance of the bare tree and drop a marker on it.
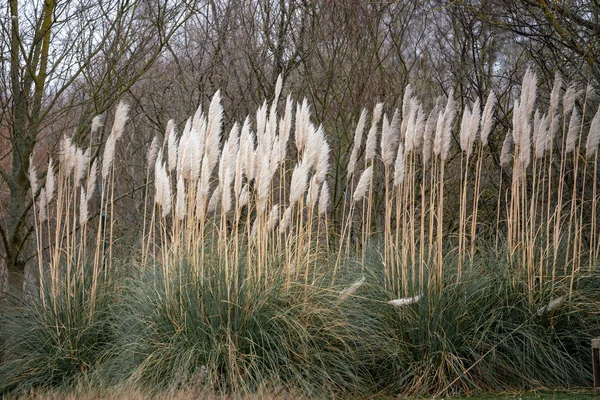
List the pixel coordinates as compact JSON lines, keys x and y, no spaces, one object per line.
{"x":65,"y":56}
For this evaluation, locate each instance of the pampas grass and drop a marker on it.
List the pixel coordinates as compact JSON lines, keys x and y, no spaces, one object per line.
{"x":241,"y":217}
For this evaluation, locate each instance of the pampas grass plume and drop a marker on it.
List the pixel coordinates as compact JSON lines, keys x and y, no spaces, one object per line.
{"x":405,"y":301}
{"x":323,"y":163}
{"x":591,"y":145}
{"x":213,"y":133}
{"x":180,"y":201}
{"x":273,"y":218}
{"x":419,"y":133}
{"x":324,"y":198}
{"x":449,"y":116}
{"x":573,"y":132}
{"x":363,"y":184}
{"x":42,"y":203}
{"x":358,"y":135}
{"x":540,"y":133}
{"x":486,"y":119}
{"x":399,"y":167}
{"x":464,"y":129}
{"x":109,"y":155}
{"x":525,"y":150}
{"x":298,"y":183}
{"x":428,"y":136}
{"x":285,"y":220}
{"x":214,"y":201}
{"x":406,"y":105}
{"x":371,"y":145}
{"x":474,"y":124}
{"x":555,"y":94}
{"x":91,"y":180}
{"x":81,"y":166}
{"x":172,"y":146}
{"x":83,"y":208}
{"x":33,"y":180}
{"x":312,"y":193}
{"x":505,"y":155}
{"x":285,"y":127}
{"x":244,"y":197}
{"x":97,"y":123}
{"x":390,"y":138}
{"x":352,"y":289}
{"x":569,"y":99}
{"x":152,"y":153}
{"x":50,"y":181}
{"x":121,"y":117}
{"x":409,"y":137}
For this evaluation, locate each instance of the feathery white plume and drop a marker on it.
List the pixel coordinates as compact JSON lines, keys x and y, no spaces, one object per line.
{"x":324,"y":198}
{"x":406,"y":106}
{"x":464,"y":129}
{"x":67,"y":156}
{"x":363,"y":184}
{"x":399,"y":167}
{"x":449,"y":116}
{"x":439,"y":133}
{"x":213,"y":133}
{"x":312,"y":193}
{"x":97,"y":122}
{"x":419,"y":129}
{"x":298,"y":183}
{"x":389,"y":140}
{"x":33,"y":180}
{"x":285,"y":128}
{"x":83,"y":208}
{"x":273,"y":218}
{"x":573,"y":132}
{"x":214,"y":201}
{"x":540,"y":133}
{"x":550,"y":306}
{"x":525,"y":150}
{"x":172,"y":146}
{"x":371,"y":145}
{"x":487,"y":118}
{"x":505,"y":155}
{"x":429,"y":134}
{"x":410,"y":133}
{"x":358,"y":135}
{"x":244,"y":197}
{"x":152,"y":153}
{"x":180,"y":201}
{"x":555,"y":94}
{"x":50,"y":181}
{"x":313,"y":146}
{"x":109,"y":155}
{"x":474,"y":126}
{"x":91,"y":180}
{"x":121,"y":117}
{"x":528,"y":91}
{"x":323,"y":163}
{"x":352,"y":289}
{"x":285,"y":220}
{"x":591,"y":145}
{"x":81,"y":166}
{"x":405,"y":301}
{"x":42,"y":203}
{"x":569,"y":99}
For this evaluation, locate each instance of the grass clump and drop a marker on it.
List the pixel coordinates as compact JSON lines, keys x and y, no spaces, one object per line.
{"x":191,"y":330}
{"x":53,"y":343}
{"x":482,"y":333}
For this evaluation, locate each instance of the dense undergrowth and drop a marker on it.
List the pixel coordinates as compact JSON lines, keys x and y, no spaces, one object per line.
{"x":484,"y":332}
